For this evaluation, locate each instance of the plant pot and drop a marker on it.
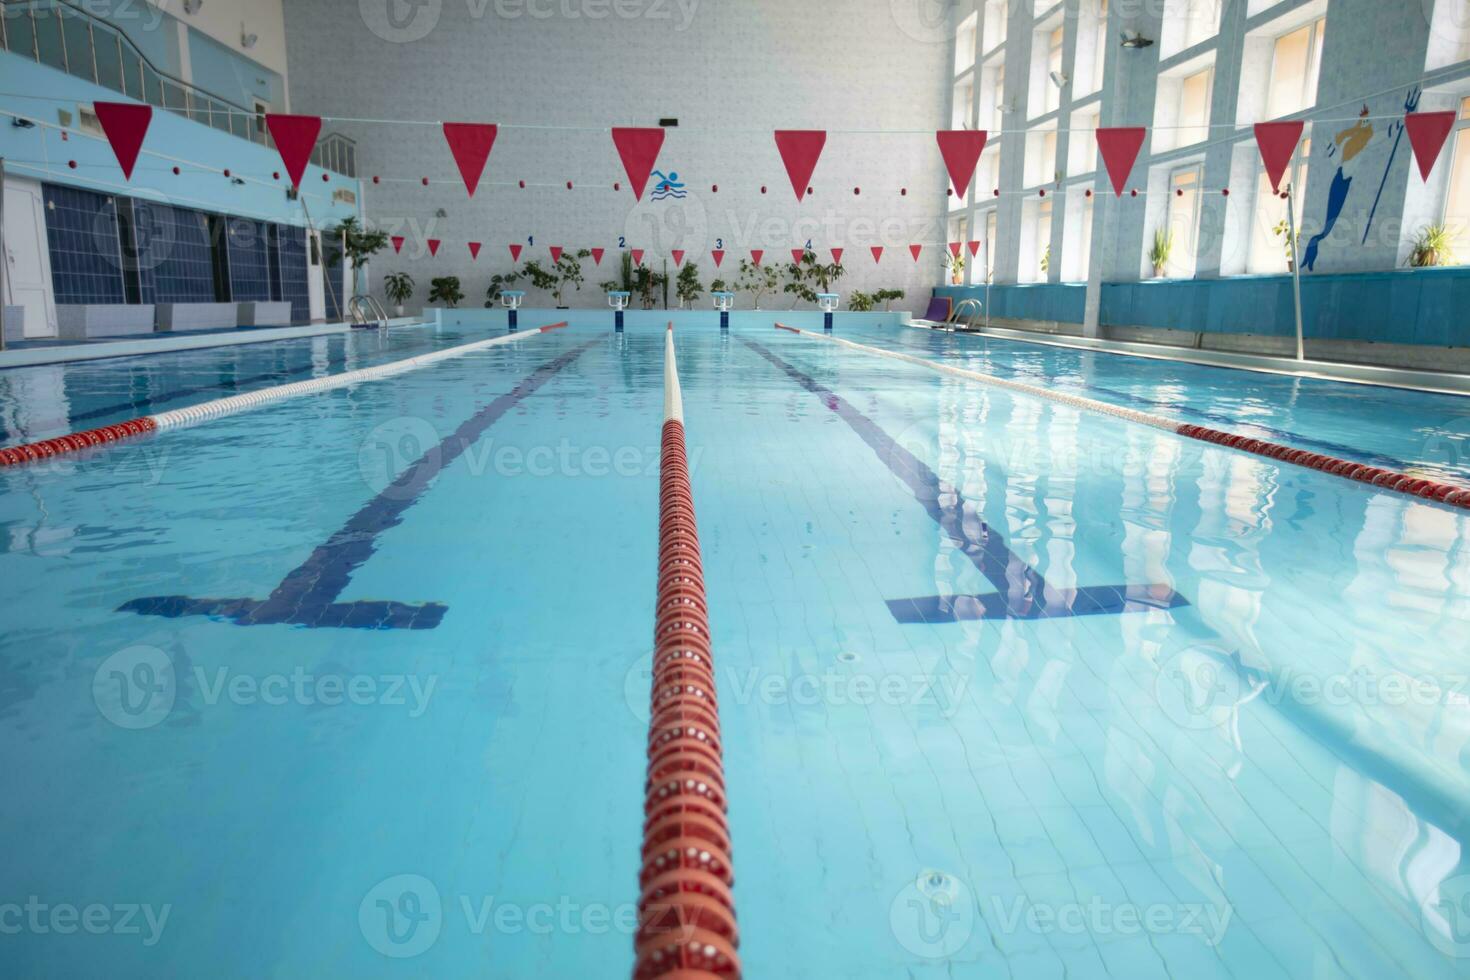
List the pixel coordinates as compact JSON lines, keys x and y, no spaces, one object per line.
{"x":1427,"y":258}
{"x":1159,"y":271}
{"x":1290,"y":266}
{"x":957,"y":278}
{"x":398,"y":310}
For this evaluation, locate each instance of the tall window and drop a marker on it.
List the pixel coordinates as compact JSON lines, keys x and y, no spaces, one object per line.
{"x":1457,"y":201}
{"x":1077,"y":233}
{"x":1295,"y":65}
{"x":1082,"y":142}
{"x":964,"y":45}
{"x":1188,"y":98}
{"x":1036,"y":242}
{"x":1041,"y":156}
{"x":1449,"y":34}
{"x":1268,"y":247}
{"x":994,"y":111}
{"x":964,"y":98}
{"x":997,"y":14}
{"x":1184,"y":204}
{"x":1187,"y":23}
{"x":982,"y":265}
{"x":1053,"y":97}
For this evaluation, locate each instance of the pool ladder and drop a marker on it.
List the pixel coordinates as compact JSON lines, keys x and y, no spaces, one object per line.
{"x":965,"y":313}
{"x":361,"y":306}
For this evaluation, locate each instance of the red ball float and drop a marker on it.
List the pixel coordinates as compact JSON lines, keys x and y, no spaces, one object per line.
{"x":617,"y":185}
{"x":809,"y":192}
{"x":227,"y":173}
{"x":426,"y":182}
{"x":275,"y":175}
{"x":856,"y":191}
{"x":1179,"y":192}
{"x":569,"y":185}
{"x":1225,"y":191}
{"x":72,"y":164}
{"x":1135,"y":192}
{"x":522,"y":184}
{"x":763,"y":188}
{"x":714,"y":188}
{"x":1088,"y":193}
{"x":377,"y":180}
{"x":177,"y":171}
{"x":1042,"y":192}
{"x":326,"y":178}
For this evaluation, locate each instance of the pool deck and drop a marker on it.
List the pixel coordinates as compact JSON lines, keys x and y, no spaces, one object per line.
{"x":30,"y":353}
{"x":1440,"y":382}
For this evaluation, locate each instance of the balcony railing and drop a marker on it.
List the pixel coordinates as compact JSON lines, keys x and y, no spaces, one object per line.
{"x":66,"y":37}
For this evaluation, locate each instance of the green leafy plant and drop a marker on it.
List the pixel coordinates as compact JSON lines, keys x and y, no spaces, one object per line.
{"x":498,"y":284}
{"x":568,"y":271}
{"x":399,"y":288}
{"x":955,"y":263}
{"x":446,"y":290}
{"x":624,"y":282}
{"x":541,"y":277}
{"x":1162,"y":249}
{"x":860,"y":302}
{"x":688,"y":285}
{"x":1433,"y":246}
{"x":646,"y":283}
{"x":758,"y":280}
{"x":887,"y":296}
{"x":1288,"y":244}
{"x":1046,"y":260}
{"x":809,"y":277}
{"x":718,"y":286}
{"x":357,"y":243}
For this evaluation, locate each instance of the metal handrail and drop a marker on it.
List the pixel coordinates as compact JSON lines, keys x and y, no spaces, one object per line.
{"x":360,"y":318}
{"x":108,"y":57}
{"x":971,"y":305}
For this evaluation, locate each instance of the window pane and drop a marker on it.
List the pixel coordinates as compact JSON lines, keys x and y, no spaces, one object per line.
{"x":48,"y":39}
{"x":109,"y":58}
{"x":1184,"y":222}
{"x":1457,"y":206}
{"x":1289,"y":73}
{"x":78,"y":45}
{"x":132,"y":73}
{"x":1194,"y":108}
{"x":19,"y":36}
{"x":1268,"y":244}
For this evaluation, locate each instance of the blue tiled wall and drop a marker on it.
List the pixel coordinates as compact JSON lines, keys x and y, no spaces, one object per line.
{"x":86,"y":263}
{"x":174,"y":264}
{"x":1405,"y":306}
{"x":291,"y":246}
{"x":250,"y":279}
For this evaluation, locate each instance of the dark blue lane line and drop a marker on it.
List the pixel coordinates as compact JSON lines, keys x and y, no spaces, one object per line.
{"x":1021,"y":591}
{"x":1278,"y":435}
{"x":307,"y":596}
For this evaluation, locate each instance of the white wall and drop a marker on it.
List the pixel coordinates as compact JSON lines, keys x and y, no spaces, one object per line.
{"x":730,"y":72}
{"x":223,"y":21}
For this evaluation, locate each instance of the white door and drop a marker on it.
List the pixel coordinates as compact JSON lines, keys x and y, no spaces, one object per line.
{"x":27,"y":260}
{"x":316,"y":293}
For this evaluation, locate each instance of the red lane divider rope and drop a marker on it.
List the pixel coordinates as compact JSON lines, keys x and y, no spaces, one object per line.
{"x":77,"y":441}
{"x":686,"y":913}
{"x":1406,"y":483}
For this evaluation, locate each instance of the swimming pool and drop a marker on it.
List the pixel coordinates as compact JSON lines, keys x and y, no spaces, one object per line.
{"x":1203,"y":712}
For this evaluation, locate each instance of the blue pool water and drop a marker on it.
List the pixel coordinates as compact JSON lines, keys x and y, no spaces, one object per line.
{"x":1199,"y":713}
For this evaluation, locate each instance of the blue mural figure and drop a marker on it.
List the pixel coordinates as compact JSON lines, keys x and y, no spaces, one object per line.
{"x":1336,"y":198}
{"x":668,"y":186}
{"x":1411,"y":104}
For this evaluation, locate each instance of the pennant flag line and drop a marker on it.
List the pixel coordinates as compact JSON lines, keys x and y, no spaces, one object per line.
{"x":1119,"y":148}
{"x":555,"y":254}
{"x":515,"y":253}
{"x":638,"y":148}
{"x":800,"y":149}
{"x":1427,"y":134}
{"x":678,"y":256}
{"x":837,"y":256}
{"x":295,"y":138}
{"x":916,"y":249}
{"x":877,"y":253}
{"x":1277,"y":141}
{"x":974,"y":249}
{"x":597,"y":256}
{"x":718,"y":255}
{"x":637,"y":256}
{"x":961,"y":149}
{"x":398,"y":241}
{"x":126,"y":126}
{"x":471,"y":144}
{"x":434,"y":246}
{"x":474,"y":250}
{"x":797,"y":254}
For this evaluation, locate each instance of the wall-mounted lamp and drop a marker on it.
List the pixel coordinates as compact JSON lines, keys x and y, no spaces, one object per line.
{"x":1060,"y":79}
{"x":1133,"y":39}
{"x":248,"y":41}
{"x":20,"y":123}
{"x":191,"y":7}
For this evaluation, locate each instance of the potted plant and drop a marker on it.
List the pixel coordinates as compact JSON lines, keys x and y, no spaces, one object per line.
{"x":886,"y":297}
{"x":688,"y":286}
{"x":718,"y":286}
{"x":399,"y":287}
{"x":809,"y":277}
{"x":446,"y":290}
{"x":860,"y":302}
{"x":1433,"y":246}
{"x":624,"y":281}
{"x":1163,"y":247}
{"x":1283,"y":231}
{"x":646,"y":283}
{"x":956,"y":265}
{"x":568,"y":271}
{"x":1046,"y":260}
{"x":758,"y":279}
{"x":351,"y":239}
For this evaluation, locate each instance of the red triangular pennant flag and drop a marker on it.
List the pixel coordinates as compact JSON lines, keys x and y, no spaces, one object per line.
{"x":877,"y":253}
{"x":800,"y":149}
{"x":295,"y":138}
{"x":126,"y":124}
{"x":638,"y":148}
{"x":718,"y":255}
{"x":515,"y":253}
{"x":916,"y":249}
{"x":1427,"y":133}
{"x":637,"y":256}
{"x":474,"y":250}
{"x":1119,"y":147}
{"x":974,"y":249}
{"x":837,"y":256}
{"x":797,"y":254}
{"x":678,"y":256}
{"x":555,"y":254}
{"x":433,"y":246}
{"x":471,"y":144}
{"x":954,"y":248}
{"x":961,"y":149}
{"x":597,"y":256}
{"x":1277,"y":141}
{"x":398,"y":241}
{"x":755,"y":256}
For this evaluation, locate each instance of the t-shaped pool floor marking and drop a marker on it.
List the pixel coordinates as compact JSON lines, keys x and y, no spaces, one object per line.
{"x":307,"y":596}
{"x":1021,"y":591}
